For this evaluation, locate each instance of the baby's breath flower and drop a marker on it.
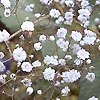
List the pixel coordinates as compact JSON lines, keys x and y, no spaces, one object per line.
{"x":36,"y":63}
{"x":65,"y":91}
{"x":90,"y":77}
{"x":29,"y":90}
{"x":27,"y":26}
{"x":2,"y":67}
{"x":37,"y":46}
{"x":49,"y":74}
{"x":26,"y":66}
{"x":93,"y":98}
{"x":19,"y":54}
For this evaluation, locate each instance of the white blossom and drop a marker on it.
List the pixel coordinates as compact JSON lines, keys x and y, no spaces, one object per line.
{"x":61,"y":33}
{"x":59,"y":20}
{"x":50,"y":60}
{"x":2,"y":67}
{"x":4,"y":35}
{"x":49,"y":74}
{"x":54,"y":13}
{"x":71,"y":76}
{"x":69,"y":18}
{"x":42,"y":38}
{"x":29,"y":90}
{"x":69,"y":3}
{"x":36,"y":63}
{"x":26,"y":66}
{"x":61,"y":43}
{"x":62,"y":62}
{"x":46,"y":2}
{"x":27,"y":26}
{"x":78,"y":62}
{"x":26,"y":82}
{"x":6,"y":3}
{"x":90,"y":76}
{"x":3,"y":78}
{"x":83,"y":54}
{"x":37,"y":46}
{"x":93,"y":98}
{"x":77,"y":36}
{"x":7,"y":12}
{"x":65,"y":91}
{"x":19,"y":54}
{"x":39,"y":92}
{"x":51,"y":38}
{"x":1,"y":55}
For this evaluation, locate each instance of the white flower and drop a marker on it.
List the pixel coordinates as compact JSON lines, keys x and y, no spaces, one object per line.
{"x":90,"y":77}
{"x":90,"y":37}
{"x":36,"y":63}
{"x":28,"y":8}
{"x":88,"y":61}
{"x":46,"y":2}
{"x":93,"y":98}
{"x":77,"y":36}
{"x":78,"y":61}
{"x":39,"y":92}
{"x":83,"y":54}
{"x":26,"y":82}
{"x":69,"y":18}
{"x":1,"y":55}
{"x":62,"y":62}
{"x":51,"y":38}
{"x":37,"y":15}
{"x":69,"y":3}
{"x":49,"y":74}
{"x":68,"y":57}
{"x":84,"y":15}
{"x":50,"y":60}
{"x":13,"y":76}
{"x":71,"y":76}
{"x":42,"y":38}
{"x":27,"y":26}
{"x":54,"y":13}
{"x":7,"y":12}
{"x":59,"y":20}
{"x":76,"y":48}
{"x":6,"y":3}
{"x":61,"y":33}
{"x":61,"y":43}
{"x":29,"y":90}
{"x":26,"y":66}
{"x":84,"y":3}
{"x":4,"y":35}
{"x":65,"y":91}
{"x":37,"y":46}
{"x":2,"y":67}
{"x":19,"y":54}
{"x":2,"y":78}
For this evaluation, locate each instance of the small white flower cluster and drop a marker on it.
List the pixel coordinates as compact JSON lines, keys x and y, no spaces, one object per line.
{"x":46,"y":2}
{"x":26,"y":66}
{"x":71,"y":76}
{"x":29,"y":8}
{"x":49,"y":74}
{"x":90,"y":37}
{"x":38,"y":46}
{"x":90,"y":77}
{"x":3,"y":78}
{"x":65,"y":91}
{"x":4,"y":35}
{"x":84,"y":16}
{"x":27,"y":26}
{"x":93,"y":98}
{"x":29,"y":90}
{"x":26,"y":82}
{"x":61,"y":43}
{"x":50,"y":60}
{"x":2,"y":67}
{"x":61,"y":33}
{"x":69,"y":3}
{"x":54,"y":13}
{"x":69,"y":18}
{"x":7,"y":5}
{"x":77,"y":36}
{"x":36,"y":64}
{"x":19,"y":54}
